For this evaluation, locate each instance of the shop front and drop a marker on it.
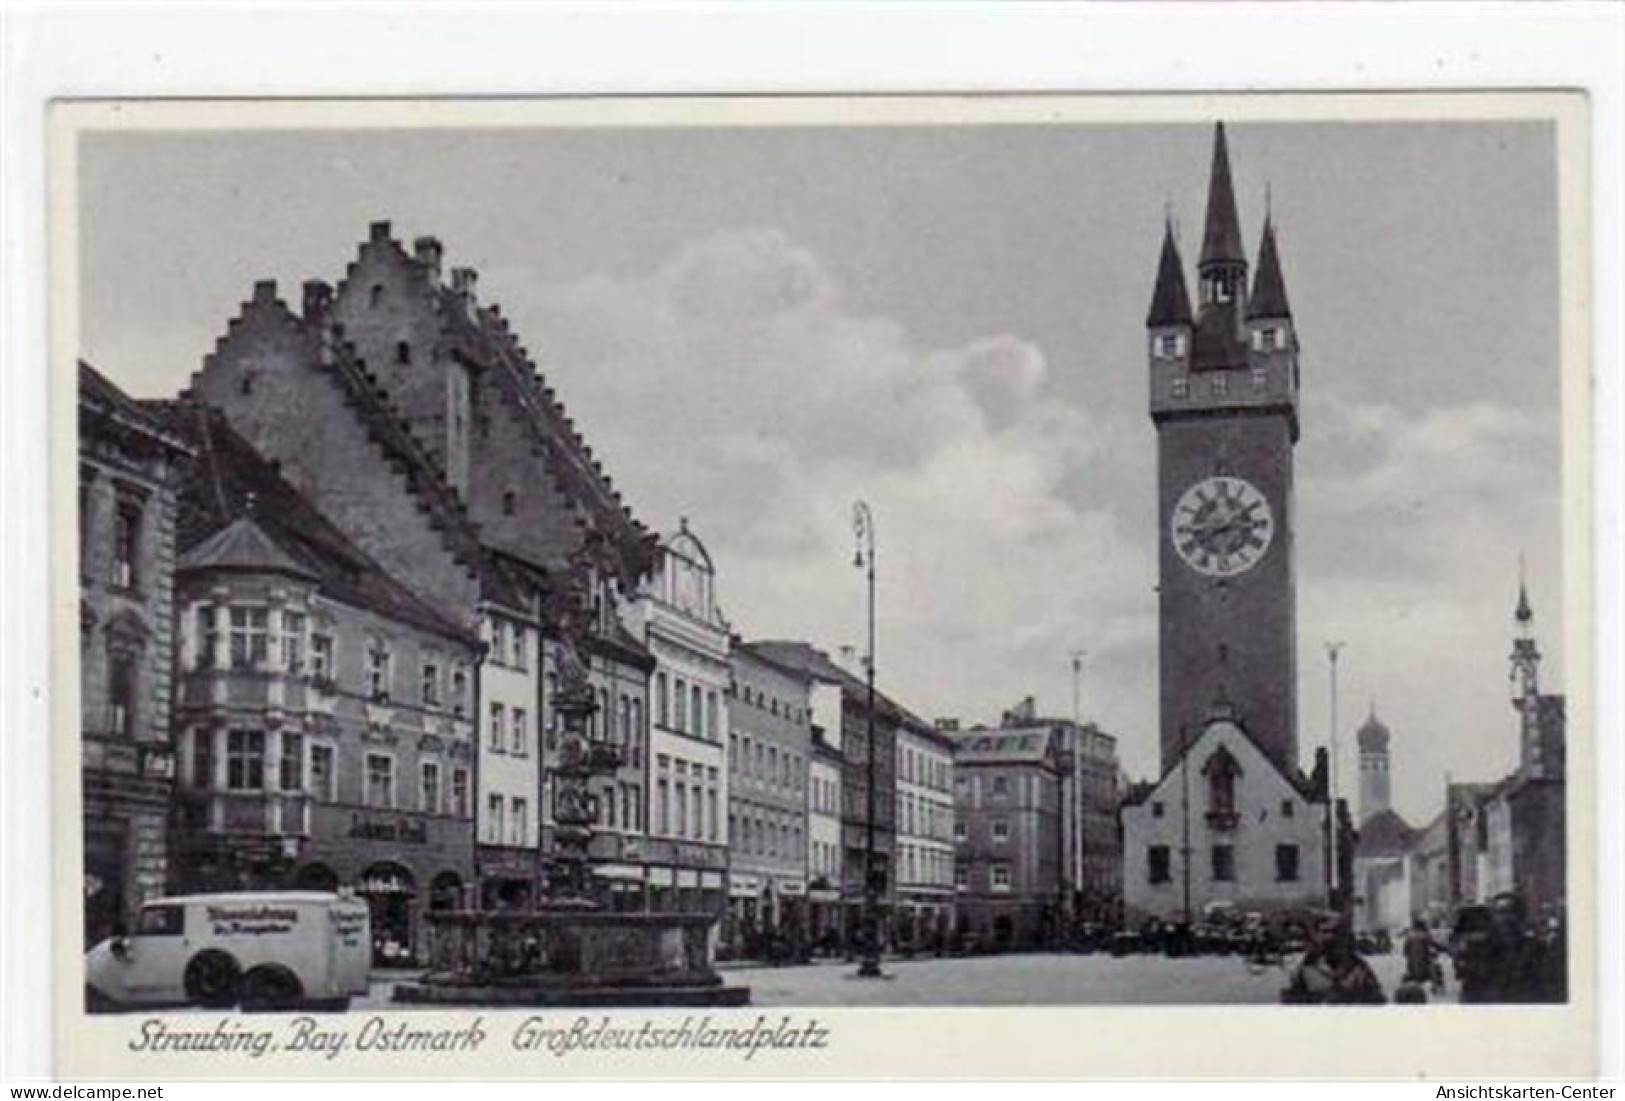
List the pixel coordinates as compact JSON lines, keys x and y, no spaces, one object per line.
{"x":618,"y":871}
{"x":403,"y":864}
{"x":685,"y":877}
{"x":509,"y":878}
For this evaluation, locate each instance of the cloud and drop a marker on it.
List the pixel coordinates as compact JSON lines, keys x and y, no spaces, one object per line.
{"x":736,"y":386}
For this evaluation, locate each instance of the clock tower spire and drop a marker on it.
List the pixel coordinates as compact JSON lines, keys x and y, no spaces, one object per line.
{"x":1224,"y":400}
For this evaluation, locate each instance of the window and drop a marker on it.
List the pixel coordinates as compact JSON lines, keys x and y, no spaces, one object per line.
{"x":161,"y":921}
{"x":1261,"y":378}
{"x":375,"y":295}
{"x":292,"y":766}
{"x":1180,"y":388}
{"x":1169,"y":345}
{"x":250,"y":638}
{"x":521,"y":822}
{"x":498,"y":720}
{"x":662,"y":713}
{"x":430,"y":787}
{"x":961,"y":831}
{"x":1001,"y":877}
{"x":1001,"y":786}
{"x":697,"y":715}
{"x":1157,"y":864}
{"x":698,"y":830}
{"x":1288,"y":808}
{"x":1221,"y":771}
{"x":403,"y":352}
{"x":459,"y":691}
{"x":1221,"y":385}
{"x":962,"y":877}
{"x":1157,"y":809}
{"x":121,"y":693}
{"x":626,"y":720}
{"x":733,"y":752}
{"x":245,"y":760}
{"x":293,"y":643}
{"x":378,"y":660}
{"x":510,"y":502}
{"x":499,"y":641}
{"x":126,"y":544}
{"x":662,"y":796}
{"x":521,"y":733}
{"x":459,"y":792}
{"x":203,"y":758}
{"x":680,"y":720}
{"x":493,"y":814}
{"x":519,"y":647}
{"x":711,"y":716}
{"x":682,"y":808}
{"x":1286,"y":863}
{"x":1224,"y":863}
{"x":772,"y":764}
{"x":321,"y":656}
{"x":380,"y":780}
{"x":1001,"y":830}
{"x":323,"y":779}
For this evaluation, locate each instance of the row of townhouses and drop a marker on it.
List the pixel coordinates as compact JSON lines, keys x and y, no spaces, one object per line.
{"x":320,"y":645}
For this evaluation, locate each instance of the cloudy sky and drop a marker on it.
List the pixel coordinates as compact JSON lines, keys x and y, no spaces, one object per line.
{"x":755,"y":327}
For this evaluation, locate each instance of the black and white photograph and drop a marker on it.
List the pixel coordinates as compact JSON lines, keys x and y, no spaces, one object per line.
{"x":819,"y":554}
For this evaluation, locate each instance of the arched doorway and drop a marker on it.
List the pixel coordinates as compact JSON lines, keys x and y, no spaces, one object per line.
{"x":389,"y":890}
{"x":316,"y":877}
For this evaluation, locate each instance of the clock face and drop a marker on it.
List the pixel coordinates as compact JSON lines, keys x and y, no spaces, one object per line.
{"x":1222,"y":526}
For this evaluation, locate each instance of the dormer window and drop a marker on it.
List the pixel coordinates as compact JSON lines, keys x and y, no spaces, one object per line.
{"x":1268,"y":339}
{"x":1169,"y":345}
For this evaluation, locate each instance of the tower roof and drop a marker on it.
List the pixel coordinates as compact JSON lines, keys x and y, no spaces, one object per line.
{"x":1171,"y":301}
{"x":242,"y":546}
{"x":1524,"y":614}
{"x":1373,"y":734}
{"x":1269,"y":289}
{"x":1221,"y":237}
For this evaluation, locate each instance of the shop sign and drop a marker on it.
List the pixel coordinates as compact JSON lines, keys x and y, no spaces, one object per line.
{"x":404,"y":831}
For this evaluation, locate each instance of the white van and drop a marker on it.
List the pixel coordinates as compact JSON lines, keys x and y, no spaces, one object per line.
{"x":260,"y":949}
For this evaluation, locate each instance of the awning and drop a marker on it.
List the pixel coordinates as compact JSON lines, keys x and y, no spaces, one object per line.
{"x":628,"y":872}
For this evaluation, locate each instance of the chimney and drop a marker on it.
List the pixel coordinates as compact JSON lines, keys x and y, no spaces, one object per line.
{"x":265,"y":291}
{"x":462,"y":285}
{"x":318,"y":299}
{"x":378,"y":231}
{"x":428,"y":252}
{"x":947,"y":724}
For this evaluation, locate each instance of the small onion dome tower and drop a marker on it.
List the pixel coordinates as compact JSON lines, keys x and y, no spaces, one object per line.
{"x":1373,"y":737}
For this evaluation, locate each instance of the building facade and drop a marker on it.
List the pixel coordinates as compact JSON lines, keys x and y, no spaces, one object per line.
{"x":825,"y":766}
{"x":127,"y":471}
{"x":1007,"y":828}
{"x":324,"y":713}
{"x":854,"y":719}
{"x":925,"y":836}
{"x":678,"y":618}
{"x":769,"y":769}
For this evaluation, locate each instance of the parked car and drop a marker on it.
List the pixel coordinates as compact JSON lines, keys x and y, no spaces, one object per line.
{"x":260,"y":950}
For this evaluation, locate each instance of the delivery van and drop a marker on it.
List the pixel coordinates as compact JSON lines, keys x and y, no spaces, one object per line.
{"x":257,"y":949}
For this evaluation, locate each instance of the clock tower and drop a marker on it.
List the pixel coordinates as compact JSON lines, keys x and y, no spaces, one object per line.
{"x":1224,"y":400}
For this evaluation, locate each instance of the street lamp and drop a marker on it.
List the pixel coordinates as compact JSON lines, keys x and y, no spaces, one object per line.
{"x":863,"y":526}
{"x":1333,"y":649}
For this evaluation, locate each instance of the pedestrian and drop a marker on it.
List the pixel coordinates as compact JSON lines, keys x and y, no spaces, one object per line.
{"x":1506,"y":963}
{"x":1332,"y":972}
{"x":1421,"y":956}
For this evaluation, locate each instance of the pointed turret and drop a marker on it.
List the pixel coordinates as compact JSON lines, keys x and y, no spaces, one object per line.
{"x":1171,"y":302}
{"x":1268,"y":299}
{"x":1221,"y":238}
{"x":1523,"y":613}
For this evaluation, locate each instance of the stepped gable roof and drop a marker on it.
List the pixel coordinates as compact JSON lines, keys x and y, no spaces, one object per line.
{"x":480,"y":335}
{"x":1269,"y":288}
{"x":1221,"y":234}
{"x":99,"y":395}
{"x":337,"y":360}
{"x":1171,"y":301}
{"x":1384,"y":834}
{"x":236,"y":507}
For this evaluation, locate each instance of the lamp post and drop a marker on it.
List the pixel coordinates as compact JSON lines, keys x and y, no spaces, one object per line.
{"x":863,"y":525}
{"x":1333,"y":649}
